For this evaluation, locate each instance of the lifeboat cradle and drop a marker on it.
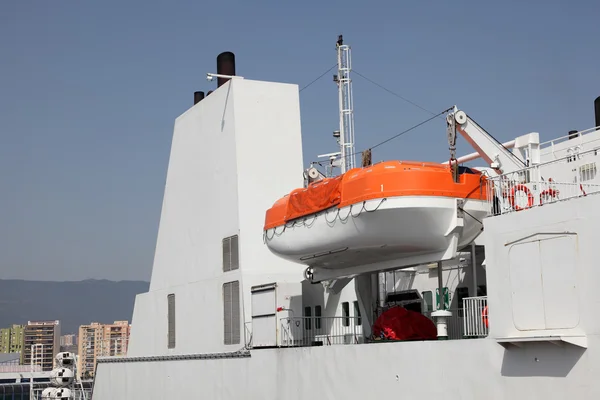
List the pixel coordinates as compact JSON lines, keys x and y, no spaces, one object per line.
{"x":395,"y":214}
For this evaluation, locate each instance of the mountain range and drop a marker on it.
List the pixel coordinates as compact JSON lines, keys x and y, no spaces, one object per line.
{"x":73,"y":303}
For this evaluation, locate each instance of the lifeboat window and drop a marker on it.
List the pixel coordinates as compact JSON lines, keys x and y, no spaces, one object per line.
{"x":428,"y":300}
{"x":317,"y":317}
{"x":307,"y":318}
{"x":231,"y":312}
{"x":231,"y":253}
{"x":357,"y":318}
{"x":346,"y":313}
{"x":171,"y":321}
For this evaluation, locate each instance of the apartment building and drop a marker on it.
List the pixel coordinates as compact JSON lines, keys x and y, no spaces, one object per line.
{"x":100,"y":340}
{"x":11,"y":339}
{"x":68,"y":340}
{"x":41,"y":343}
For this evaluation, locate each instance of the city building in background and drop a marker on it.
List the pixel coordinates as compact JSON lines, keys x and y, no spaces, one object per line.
{"x":68,"y":340}
{"x":11,"y":339}
{"x":100,"y":340}
{"x":41,"y":343}
{"x":69,"y":343}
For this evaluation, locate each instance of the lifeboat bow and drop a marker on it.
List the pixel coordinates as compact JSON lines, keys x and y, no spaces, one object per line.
{"x":389,"y":215}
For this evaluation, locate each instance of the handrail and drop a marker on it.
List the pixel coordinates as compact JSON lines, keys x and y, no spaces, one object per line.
{"x":566,"y":137}
{"x":536,"y":186}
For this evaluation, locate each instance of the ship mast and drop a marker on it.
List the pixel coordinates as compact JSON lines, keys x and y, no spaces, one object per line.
{"x":346,"y":139}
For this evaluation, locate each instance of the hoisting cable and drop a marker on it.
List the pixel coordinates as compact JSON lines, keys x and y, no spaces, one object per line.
{"x":319,"y":77}
{"x":406,"y":130}
{"x":392,"y":92}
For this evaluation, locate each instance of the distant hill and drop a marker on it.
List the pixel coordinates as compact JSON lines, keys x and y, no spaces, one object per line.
{"x":73,"y":303}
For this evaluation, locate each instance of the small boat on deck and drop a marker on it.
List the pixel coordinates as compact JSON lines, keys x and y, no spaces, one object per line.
{"x":388,"y":211}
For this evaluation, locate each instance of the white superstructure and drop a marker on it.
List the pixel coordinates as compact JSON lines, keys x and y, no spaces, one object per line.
{"x":225,"y":166}
{"x":226,"y":319}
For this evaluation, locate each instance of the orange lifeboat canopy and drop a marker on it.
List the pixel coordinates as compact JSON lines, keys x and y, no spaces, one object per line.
{"x":383,"y":180}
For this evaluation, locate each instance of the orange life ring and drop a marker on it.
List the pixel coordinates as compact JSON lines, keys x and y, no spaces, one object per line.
{"x":524,"y":189}
{"x":549,"y":193}
{"x":484,"y":317}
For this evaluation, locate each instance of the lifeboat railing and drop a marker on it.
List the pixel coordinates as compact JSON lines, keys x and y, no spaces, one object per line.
{"x":536,"y":186}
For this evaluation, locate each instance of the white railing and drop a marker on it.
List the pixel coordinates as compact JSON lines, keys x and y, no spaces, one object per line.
{"x":576,"y":138}
{"x":475,"y":320}
{"x":21,"y":391}
{"x":321,"y":331}
{"x":77,"y":393}
{"x":19,"y":368}
{"x":535,"y":186}
{"x":327,"y":331}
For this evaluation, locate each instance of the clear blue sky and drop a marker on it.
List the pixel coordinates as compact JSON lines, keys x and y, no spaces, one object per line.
{"x":89,"y":92}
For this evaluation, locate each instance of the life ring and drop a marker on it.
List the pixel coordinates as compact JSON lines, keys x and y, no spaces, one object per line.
{"x":550,"y":194}
{"x":524,"y":189}
{"x":484,"y":317}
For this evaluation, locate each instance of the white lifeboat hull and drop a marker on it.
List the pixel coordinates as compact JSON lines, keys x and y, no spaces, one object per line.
{"x":396,"y":228}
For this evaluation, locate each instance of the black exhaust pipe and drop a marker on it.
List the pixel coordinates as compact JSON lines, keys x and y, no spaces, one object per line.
{"x":573,"y":134}
{"x":225,"y":66}
{"x":198,"y":96}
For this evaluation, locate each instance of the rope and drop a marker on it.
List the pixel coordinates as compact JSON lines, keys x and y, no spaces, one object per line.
{"x":405,"y":131}
{"x":302,"y":221}
{"x":319,"y":77}
{"x":391,"y":92}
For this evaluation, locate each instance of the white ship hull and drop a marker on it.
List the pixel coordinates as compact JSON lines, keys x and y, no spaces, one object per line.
{"x":381,"y":230}
{"x":456,"y":370}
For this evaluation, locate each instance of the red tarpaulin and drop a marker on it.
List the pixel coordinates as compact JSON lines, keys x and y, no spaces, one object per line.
{"x":398,"y":323}
{"x":317,"y":197}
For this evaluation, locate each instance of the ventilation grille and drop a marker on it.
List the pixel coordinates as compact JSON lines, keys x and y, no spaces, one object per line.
{"x":171,"y":321}
{"x":231,"y":312}
{"x":231,"y":259}
{"x":587,"y":172}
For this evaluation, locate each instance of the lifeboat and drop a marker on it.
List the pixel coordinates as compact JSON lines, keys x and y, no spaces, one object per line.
{"x":389,"y":211}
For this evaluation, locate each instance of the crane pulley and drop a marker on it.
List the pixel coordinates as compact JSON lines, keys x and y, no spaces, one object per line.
{"x":451,"y":130}
{"x":498,"y":157}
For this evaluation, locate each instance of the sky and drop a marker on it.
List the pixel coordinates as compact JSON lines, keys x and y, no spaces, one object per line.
{"x":89,"y":92}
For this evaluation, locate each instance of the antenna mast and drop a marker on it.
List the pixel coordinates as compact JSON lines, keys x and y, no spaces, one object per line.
{"x":347,"y":158}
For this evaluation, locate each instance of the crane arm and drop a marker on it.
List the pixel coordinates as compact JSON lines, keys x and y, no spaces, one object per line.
{"x":492,"y":151}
